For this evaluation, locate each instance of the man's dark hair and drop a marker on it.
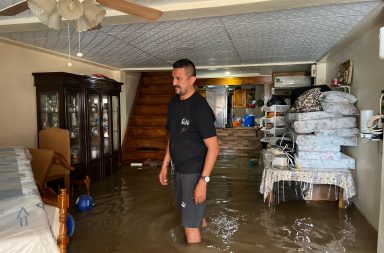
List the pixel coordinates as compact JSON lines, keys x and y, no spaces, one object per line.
{"x":187,"y":65}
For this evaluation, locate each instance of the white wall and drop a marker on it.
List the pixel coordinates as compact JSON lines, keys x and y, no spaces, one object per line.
{"x":380,"y":241}
{"x":368,"y":81}
{"x":131,"y":80}
{"x":18,"y":123}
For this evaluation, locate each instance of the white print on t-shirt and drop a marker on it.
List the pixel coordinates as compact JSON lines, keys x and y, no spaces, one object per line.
{"x":183,"y":205}
{"x":185,"y":122}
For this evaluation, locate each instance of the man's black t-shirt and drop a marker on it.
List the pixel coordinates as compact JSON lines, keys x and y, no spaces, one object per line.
{"x":190,"y":121}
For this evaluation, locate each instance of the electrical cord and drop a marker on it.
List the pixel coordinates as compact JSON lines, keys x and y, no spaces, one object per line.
{"x":286,"y":150}
{"x":375,"y":123}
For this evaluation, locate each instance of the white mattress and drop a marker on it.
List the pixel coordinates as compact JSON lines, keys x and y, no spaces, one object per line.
{"x":322,"y":155}
{"x":311,"y":115}
{"x":345,"y":162}
{"x":344,"y":132}
{"x":309,"y":126}
{"x":317,"y":148}
{"x":310,"y":139}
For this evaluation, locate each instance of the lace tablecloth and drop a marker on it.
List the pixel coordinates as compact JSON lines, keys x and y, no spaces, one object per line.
{"x":341,"y":178}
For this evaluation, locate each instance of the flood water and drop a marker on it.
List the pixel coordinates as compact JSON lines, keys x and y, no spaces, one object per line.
{"x":133,"y":213}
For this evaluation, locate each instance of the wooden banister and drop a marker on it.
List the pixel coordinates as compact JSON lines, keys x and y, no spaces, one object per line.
{"x":63,"y":204}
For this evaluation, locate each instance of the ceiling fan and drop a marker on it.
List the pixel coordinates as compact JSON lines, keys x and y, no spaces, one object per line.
{"x":119,"y":5}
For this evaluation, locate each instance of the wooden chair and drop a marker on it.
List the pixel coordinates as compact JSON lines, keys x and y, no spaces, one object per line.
{"x":41,"y":161}
{"x":57,"y":140}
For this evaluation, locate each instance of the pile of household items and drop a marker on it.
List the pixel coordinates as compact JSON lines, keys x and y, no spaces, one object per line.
{"x":322,"y":122}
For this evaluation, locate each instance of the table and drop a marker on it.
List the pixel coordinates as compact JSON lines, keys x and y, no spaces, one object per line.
{"x":341,"y":178}
{"x":24,"y":226}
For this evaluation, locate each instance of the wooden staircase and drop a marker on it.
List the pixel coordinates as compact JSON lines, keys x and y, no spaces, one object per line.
{"x":146,"y":136}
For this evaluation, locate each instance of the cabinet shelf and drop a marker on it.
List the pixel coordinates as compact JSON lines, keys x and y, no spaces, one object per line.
{"x":279,"y":120}
{"x":274,"y":131}
{"x":276,"y":108}
{"x":277,"y":123}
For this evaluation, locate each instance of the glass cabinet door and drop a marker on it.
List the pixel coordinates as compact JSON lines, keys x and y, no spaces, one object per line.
{"x":73,"y":124}
{"x":94,"y":125}
{"x":49,"y":104}
{"x":115,"y":123}
{"x":106,"y":125}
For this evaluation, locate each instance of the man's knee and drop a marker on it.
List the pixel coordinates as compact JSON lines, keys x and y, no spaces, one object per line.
{"x":193,"y":235}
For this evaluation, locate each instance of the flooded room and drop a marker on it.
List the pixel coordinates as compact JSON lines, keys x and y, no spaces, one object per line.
{"x":191,"y":126}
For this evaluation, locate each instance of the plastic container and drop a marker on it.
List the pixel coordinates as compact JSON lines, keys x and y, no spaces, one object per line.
{"x":249,"y":121}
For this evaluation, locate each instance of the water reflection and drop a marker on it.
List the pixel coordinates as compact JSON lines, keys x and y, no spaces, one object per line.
{"x":134,"y":213}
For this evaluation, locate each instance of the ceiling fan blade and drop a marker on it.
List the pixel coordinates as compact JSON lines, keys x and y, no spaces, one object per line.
{"x":14,"y":9}
{"x":132,"y":8}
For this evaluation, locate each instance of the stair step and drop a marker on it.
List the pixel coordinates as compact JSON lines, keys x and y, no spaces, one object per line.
{"x":150,"y":110}
{"x":154,"y":132}
{"x":157,"y":80}
{"x":140,"y":156}
{"x":145,"y":144}
{"x":154,"y":99}
{"x":149,"y":120}
{"x":157,"y":90}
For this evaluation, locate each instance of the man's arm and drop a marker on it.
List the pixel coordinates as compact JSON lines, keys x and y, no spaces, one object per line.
{"x":210,"y":160}
{"x":164,"y":168}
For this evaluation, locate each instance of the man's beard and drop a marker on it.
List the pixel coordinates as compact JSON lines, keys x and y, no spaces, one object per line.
{"x":177,"y":89}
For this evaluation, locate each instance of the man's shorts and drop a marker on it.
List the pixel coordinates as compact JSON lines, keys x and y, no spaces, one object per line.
{"x":191,"y":214}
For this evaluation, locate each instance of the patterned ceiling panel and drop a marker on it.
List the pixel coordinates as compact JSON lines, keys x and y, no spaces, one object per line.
{"x":300,"y":34}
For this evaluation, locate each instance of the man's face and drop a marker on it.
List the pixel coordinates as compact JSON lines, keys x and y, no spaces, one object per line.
{"x":182,"y":82}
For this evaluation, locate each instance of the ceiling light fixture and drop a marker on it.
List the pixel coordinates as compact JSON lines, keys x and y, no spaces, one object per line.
{"x":87,"y":13}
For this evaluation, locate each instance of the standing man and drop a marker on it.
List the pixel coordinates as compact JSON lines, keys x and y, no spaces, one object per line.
{"x":192,"y":147}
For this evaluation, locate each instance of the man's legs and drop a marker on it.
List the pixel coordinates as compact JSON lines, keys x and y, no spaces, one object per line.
{"x":192,"y":235}
{"x":191,"y":214}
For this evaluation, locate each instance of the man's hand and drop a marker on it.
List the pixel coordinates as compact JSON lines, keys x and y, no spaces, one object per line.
{"x":200,"y":192}
{"x":163,"y":176}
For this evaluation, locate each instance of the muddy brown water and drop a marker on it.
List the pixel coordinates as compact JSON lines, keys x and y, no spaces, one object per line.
{"x":133,"y":213}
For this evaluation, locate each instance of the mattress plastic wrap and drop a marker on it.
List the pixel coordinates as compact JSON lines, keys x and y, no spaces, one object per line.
{"x":309,"y":126}
{"x":344,"y":132}
{"x":345,"y":162}
{"x":24,"y":225}
{"x":318,"y":155}
{"x":313,"y":140}
{"x":311,"y":116}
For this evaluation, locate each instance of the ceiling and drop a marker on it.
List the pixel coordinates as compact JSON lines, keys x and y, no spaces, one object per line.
{"x":242,"y":36}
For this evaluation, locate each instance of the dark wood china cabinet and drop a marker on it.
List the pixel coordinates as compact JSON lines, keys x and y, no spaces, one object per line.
{"x":89,"y":107}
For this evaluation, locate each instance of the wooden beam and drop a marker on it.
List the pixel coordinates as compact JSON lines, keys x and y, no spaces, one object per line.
{"x":234,"y":80}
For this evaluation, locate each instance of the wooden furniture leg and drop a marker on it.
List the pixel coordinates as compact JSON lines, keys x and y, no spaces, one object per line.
{"x":342,"y":202}
{"x":271,"y":198}
{"x":63,"y":204}
{"x":87,"y":182}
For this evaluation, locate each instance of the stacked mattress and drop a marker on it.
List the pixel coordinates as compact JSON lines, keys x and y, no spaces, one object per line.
{"x":320,"y":134}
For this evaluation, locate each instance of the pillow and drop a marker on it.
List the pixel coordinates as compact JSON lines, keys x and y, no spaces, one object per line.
{"x":309,"y":101}
{"x":339,"y":96}
{"x":339,"y":108}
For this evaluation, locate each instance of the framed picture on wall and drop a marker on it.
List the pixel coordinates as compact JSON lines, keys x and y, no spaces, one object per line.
{"x":344,"y":75}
